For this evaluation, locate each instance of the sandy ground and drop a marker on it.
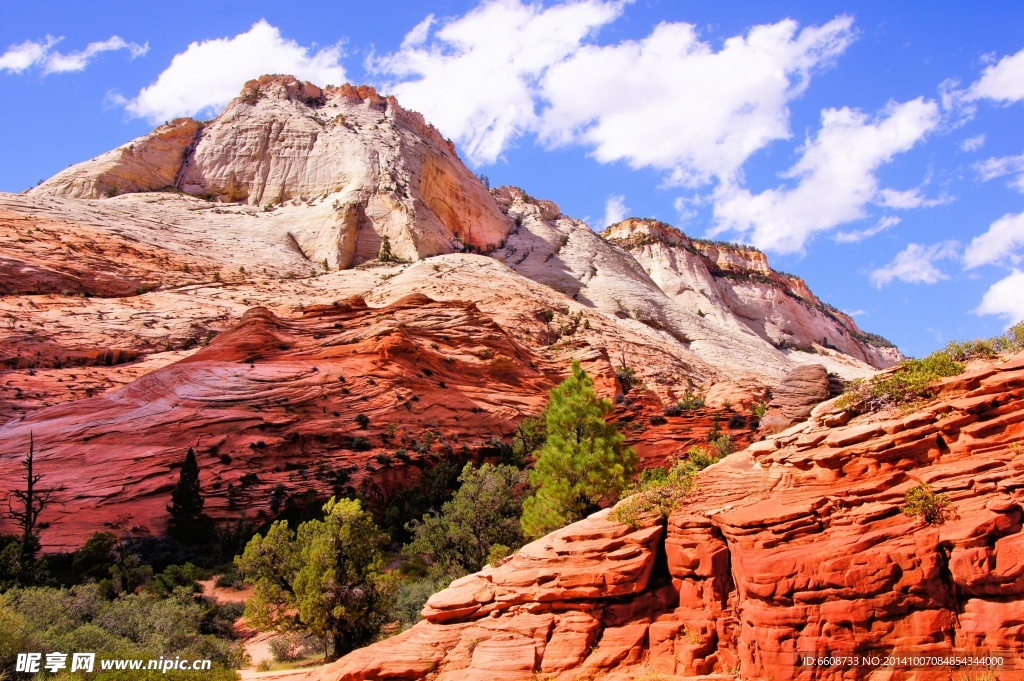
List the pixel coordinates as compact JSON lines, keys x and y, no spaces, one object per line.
{"x":257,"y":644}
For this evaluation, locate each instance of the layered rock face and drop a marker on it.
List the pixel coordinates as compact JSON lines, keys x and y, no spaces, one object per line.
{"x":277,"y":400}
{"x":735,"y":286}
{"x":796,"y":545}
{"x":116,"y":270}
{"x":361,"y":167}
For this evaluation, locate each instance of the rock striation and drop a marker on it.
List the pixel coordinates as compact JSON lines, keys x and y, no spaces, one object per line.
{"x":796,"y":545}
{"x":277,"y":400}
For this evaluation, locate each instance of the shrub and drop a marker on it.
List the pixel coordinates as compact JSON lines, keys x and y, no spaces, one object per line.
{"x":758,"y":409}
{"x":913,"y":379}
{"x":922,"y":501}
{"x":658,"y":420}
{"x":362,"y":420}
{"x":737,"y":421}
{"x":701,"y":458}
{"x":360,"y":444}
{"x":657,"y":492}
{"x":482,"y":514}
{"x":723,"y":445}
{"x":691,"y":401}
{"x":498,"y":553}
{"x":673,"y":410}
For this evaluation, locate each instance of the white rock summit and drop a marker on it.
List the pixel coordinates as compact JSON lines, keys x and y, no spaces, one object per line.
{"x":361,"y":167}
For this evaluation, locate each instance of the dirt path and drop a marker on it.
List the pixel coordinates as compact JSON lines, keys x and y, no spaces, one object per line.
{"x":256,"y":643}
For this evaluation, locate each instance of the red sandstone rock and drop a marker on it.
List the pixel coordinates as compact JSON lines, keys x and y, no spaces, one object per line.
{"x":278,"y":398}
{"x":796,"y":545}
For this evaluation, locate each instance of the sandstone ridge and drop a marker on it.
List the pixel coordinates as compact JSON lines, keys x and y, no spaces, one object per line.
{"x":794,"y":545}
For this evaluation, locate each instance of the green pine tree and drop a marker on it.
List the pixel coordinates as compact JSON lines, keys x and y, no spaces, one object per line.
{"x":584,"y":462}
{"x":186,"y":507}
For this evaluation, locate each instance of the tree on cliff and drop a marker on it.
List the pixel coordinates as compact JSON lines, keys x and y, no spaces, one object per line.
{"x":328,"y":577}
{"x":186,"y":509}
{"x":583,"y":463}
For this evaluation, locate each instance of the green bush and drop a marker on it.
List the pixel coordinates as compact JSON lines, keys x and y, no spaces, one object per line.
{"x":657,"y":492}
{"x":702,"y":458}
{"x":922,"y":501}
{"x":914,"y":379}
{"x":482,"y":514}
{"x":723,"y":446}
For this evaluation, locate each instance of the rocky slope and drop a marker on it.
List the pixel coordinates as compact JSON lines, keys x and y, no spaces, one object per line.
{"x":118,"y":272}
{"x":278,"y":400}
{"x":794,"y":545}
{"x":735,"y":287}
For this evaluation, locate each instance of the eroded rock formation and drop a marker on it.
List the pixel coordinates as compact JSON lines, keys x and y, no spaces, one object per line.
{"x":361,"y":168}
{"x":277,"y":400}
{"x":795,"y":545}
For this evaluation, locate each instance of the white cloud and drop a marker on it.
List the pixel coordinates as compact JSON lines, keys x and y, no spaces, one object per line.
{"x":419,"y":33}
{"x":615,"y":210}
{"x":670,"y":101}
{"x":835,"y":177}
{"x":1003,"y":238}
{"x":853,"y":236}
{"x":477,"y":80}
{"x":19,"y":58}
{"x":634,"y":100}
{"x":973,"y":143}
{"x":208,"y":74}
{"x":1002,"y":82}
{"x":1005,"y":298}
{"x":910,"y":198}
{"x":915,"y":264}
{"x":991,"y":168}
{"x":855,"y":313}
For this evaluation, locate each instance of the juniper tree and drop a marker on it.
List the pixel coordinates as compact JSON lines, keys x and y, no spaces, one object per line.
{"x":328,"y":578}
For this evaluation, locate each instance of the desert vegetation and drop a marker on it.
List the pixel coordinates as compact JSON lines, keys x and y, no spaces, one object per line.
{"x":915,"y":379}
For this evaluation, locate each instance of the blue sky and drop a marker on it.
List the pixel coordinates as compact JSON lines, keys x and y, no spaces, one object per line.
{"x":874,"y":149}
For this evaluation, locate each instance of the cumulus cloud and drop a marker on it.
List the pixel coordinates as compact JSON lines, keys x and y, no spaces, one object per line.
{"x":1005,"y":298}
{"x":208,"y":74}
{"x":477,"y":80}
{"x":1000,"y":243}
{"x":835,"y":177}
{"x":615,"y":210}
{"x":973,"y":143}
{"x":1002,"y":81}
{"x":853,"y":236}
{"x":915,"y":264}
{"x":991,"y":168}
{"x":41,"y":54}
{"x":635,"y":100}
{"x":670,"y":101}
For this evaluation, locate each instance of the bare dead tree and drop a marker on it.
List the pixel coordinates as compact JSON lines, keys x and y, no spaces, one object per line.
{"x":24,"y":506}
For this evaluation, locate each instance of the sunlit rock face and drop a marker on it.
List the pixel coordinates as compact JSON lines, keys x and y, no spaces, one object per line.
{"x":796,"y":544}
{"x":360,"y":166}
